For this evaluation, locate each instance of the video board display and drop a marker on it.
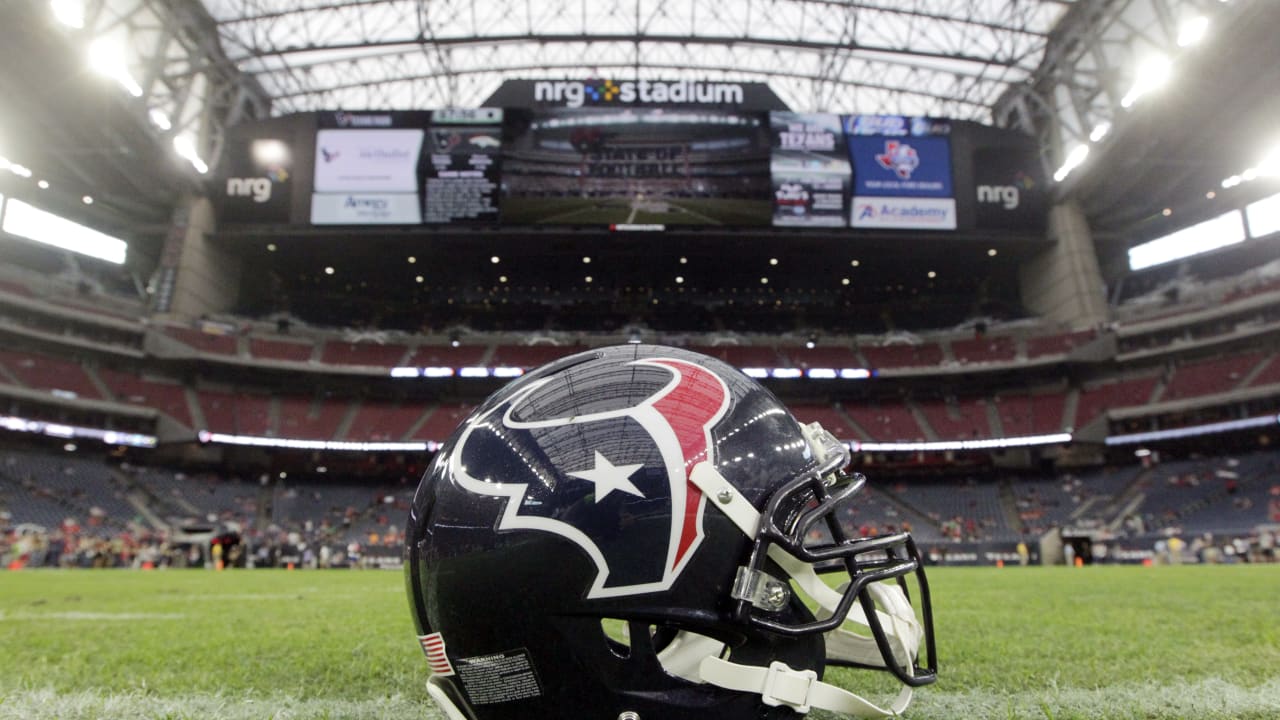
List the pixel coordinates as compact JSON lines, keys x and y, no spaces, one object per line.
{"x":463,"y":170}
{"x":601,"y":166}
{"x":366,"y":169}
{"x":810,"y":170}
{"x":632,"y":167}
{"x":901,"y":172}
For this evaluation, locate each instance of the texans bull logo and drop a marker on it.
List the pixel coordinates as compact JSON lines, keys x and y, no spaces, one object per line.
{"x":587,"y":478}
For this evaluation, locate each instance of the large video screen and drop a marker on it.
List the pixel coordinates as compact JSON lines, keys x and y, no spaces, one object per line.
{"x":633,"y":168}
{"x":636,"y":167}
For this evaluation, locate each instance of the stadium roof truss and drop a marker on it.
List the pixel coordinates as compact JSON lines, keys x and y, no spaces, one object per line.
{"x":1097,"y":51}
{"x":924,"y":57}
{"x":1057,"y":69}
{"x":207,"y":64}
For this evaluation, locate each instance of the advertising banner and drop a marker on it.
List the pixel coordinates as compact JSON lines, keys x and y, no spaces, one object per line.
{"x":809,"y":167}
{"x":365,"y":209}
{"x":367,"y":160}
{"x":258,"y":187}
{"x":903,"y":213}
{"x":901,"y":166}
{"x":1009,"y":188}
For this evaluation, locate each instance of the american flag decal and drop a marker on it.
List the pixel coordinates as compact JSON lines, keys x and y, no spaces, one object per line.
{"x":433,"y":646}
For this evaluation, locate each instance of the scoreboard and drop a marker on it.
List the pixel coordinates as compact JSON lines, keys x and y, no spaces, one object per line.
{"x":631,"y":166}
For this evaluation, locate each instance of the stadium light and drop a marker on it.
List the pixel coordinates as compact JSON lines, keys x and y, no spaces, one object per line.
{"x":1073,"y":161}
{"x":1269,"y":165}
{"x":14,"y":423}
{"x":44,"y":227}
{"x":18,"y":169}
{"x":1264,"y":216}
{"x":1192,"y":31}
{"x":1152,"y":74}
{"x":1226,"y":229}
{"x":944,"y":445}
{"x":68,"y":12}
{"x":1193,"y":430}
{"x":107,"y":59}
{"x":186,"y":149}
{"x":160,"y":119}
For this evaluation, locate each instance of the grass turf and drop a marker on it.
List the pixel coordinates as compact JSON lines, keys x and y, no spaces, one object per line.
{"x":1163,"y":643}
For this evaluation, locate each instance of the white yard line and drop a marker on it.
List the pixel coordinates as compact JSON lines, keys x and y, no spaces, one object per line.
{"x":1212,"y":699}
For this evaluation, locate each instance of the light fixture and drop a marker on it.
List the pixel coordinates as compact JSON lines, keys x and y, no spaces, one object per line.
{"x":1192,"y":31}
{"x":1099,"y":131}
{"x":160,"y":119}
{"x":41,"y":226}
{"x":68,"y":12}
{"x":1073,"y":161}
{"x":1151,"y":75}
{"x":107,"y":59}
{"x":495,"y":259}
{"x":185,"y":146}
{"x":328,"y":270}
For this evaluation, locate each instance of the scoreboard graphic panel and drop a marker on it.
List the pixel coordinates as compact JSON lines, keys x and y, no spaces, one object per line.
{"x":632,"y":167}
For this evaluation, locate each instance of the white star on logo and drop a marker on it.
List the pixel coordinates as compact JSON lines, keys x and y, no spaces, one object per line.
{"x":609,"y":477}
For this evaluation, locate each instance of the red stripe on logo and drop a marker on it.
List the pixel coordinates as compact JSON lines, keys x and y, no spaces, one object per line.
{"x":690,"y":407}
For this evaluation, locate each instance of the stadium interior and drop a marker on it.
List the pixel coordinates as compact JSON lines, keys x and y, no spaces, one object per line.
{"x":278,"y":386}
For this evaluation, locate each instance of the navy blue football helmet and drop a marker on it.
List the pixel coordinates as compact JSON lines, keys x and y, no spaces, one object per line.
{"x":645,"y":533}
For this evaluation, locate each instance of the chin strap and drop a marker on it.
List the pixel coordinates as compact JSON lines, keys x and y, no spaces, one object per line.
{"x":439,"y":692}
{"x":800,"y":690}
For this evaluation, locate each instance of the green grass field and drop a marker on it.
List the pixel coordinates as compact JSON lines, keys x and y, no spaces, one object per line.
{"x":606,"y":211}
{"x":1162,"y":643}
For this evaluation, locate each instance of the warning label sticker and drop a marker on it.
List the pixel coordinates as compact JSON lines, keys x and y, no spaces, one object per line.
{"x":500,"y":677}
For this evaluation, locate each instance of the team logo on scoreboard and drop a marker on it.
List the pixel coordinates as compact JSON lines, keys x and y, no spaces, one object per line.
{"x":900,"y":158}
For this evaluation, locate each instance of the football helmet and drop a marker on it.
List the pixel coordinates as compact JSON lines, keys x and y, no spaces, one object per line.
{"x":645,"y":533}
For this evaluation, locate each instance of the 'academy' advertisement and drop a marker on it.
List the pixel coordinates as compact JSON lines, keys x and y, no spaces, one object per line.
{"x":809,"y":165}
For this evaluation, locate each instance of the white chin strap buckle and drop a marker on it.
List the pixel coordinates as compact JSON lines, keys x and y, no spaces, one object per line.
{"x":784,"y":686}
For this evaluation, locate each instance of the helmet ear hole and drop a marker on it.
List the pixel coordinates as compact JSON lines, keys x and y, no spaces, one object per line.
{"x":617,"y":633}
